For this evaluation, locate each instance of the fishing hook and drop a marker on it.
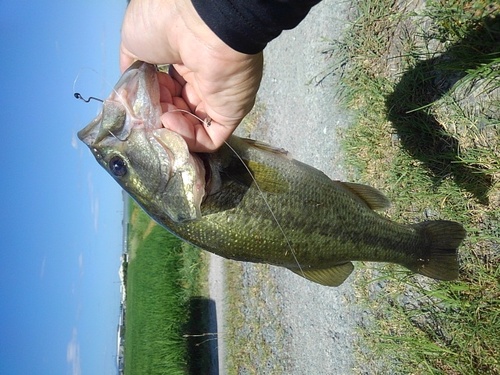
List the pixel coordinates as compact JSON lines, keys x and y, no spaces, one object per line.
{"x":78,"y":96}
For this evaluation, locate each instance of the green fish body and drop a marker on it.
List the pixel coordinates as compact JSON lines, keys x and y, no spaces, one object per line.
{"x":252,"y":202}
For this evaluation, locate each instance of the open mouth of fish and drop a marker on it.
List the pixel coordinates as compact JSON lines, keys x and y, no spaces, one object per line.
{"x":134,"y":107}
{"x":134,"y":102}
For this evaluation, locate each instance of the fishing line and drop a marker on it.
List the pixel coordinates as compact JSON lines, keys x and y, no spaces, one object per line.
{"x":268,"y":207}
{"x":106,"y":84}
{"x":214,"y":335}
{"x":207,"y":122}
{"x":77,"y":79}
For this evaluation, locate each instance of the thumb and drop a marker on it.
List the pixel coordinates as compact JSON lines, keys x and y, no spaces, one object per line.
{"x":126,"y":58}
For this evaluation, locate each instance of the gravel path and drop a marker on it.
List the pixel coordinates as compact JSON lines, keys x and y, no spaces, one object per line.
{"x":311,"y":328}
{"x":216,"y":276}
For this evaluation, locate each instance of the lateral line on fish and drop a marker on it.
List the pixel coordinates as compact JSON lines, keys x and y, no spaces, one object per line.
{"x":258,"y":188}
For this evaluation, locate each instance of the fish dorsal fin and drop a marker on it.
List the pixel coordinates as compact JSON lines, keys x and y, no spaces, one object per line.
{"x":373,"y":198}
{"x":266,"y":147}
{"x":333,"y":276}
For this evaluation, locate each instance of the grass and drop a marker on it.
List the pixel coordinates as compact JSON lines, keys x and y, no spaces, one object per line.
{"x":425,"y":83}
{"x":164,"y":309}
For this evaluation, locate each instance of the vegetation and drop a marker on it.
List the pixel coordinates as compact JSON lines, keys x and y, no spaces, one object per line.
{"x":164,"y":309}
{"x":425,"y":83}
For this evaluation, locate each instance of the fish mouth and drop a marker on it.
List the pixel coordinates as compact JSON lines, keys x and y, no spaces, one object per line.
{"x":89,"y":133}
{"x":133,"y":102}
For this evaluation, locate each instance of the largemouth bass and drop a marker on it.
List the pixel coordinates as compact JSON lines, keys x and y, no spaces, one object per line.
{"x":252,"y":202}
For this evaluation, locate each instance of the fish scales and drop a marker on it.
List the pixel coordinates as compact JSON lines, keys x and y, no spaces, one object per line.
{"x":252,"y":202}
{"x":311,"y":228}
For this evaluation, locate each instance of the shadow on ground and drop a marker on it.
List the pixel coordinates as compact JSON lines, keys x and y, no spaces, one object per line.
{"x":419,"y":132}
{"x":201,"y":334}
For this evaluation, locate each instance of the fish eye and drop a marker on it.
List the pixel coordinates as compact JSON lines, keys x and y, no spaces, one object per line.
{"x":117,"y":166}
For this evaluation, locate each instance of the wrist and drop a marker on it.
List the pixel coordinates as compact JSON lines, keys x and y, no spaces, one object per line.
{"x":200,"y":30}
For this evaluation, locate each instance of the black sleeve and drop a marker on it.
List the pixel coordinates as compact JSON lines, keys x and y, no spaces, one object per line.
{"x":248,"y":25}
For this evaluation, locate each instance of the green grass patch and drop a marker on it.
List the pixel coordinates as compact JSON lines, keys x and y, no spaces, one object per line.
{"x":424,"y":80}
{"x":164,"y":310}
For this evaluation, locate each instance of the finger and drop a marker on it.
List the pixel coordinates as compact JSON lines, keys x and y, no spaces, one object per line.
{"x":180,"y":103}
{"x":172,"y":71}
{"x":166,"y":107}
{"x":126,"y":58}
{"x":198,"y":137}
{"x":209,"y":137}
{"x":166,"y":81}
{"x":165,"y":95}
{"x":193,"y":100}
{"x":178,"y":123}
{"x":167,"y":87}
{"x":203,"y":109}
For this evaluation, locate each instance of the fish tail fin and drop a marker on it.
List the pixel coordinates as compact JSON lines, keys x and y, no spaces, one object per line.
{"x":440,"y":260}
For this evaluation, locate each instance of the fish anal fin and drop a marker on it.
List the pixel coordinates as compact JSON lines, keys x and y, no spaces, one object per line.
{"x":440,"y":258}
{"x":333,"y":276}
{"x":373,"y":198}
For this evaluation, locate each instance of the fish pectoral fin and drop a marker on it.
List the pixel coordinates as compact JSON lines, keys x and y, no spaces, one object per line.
{"x":268,"y":178}
{"x":333,"y":276}
{"x":373,"y":198}
{"x":244,"y":169}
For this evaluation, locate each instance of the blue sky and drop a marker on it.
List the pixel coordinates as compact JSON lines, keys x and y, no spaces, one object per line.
{"x":61,"y":232}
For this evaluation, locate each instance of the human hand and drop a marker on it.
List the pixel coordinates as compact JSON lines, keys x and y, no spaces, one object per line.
{"x":214,"y":81}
